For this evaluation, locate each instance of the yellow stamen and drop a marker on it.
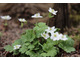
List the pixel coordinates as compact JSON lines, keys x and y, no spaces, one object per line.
{"x":16,"y":46}
{"x":50,"y":29}
{"x":52,"y":10}
{"x":5,"y":17}
{"x":21,"y":19}
{"x":36,"y":14}
{"x":44,"y":35}
{"x":62,"y":36}
{"x":55,"y":35}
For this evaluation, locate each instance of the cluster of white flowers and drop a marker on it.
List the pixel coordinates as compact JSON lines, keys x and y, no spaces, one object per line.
{"x":17,"y":47}
{"x":52,"y":30}
{"x":37,"y":15}
{"x":54,"y":35}
{"x":7,"y":17}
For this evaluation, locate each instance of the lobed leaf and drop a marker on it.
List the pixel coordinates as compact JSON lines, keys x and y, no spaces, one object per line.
{"x":8,"y":48}
{"x":67,"y":45}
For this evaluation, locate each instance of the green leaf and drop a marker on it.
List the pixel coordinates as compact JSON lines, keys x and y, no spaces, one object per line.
{"x":57,"y":29}
{"x":70,"y":41}
{"x":50,"y":15}
{"x":47,"y":46}
{"x":50,"y":53}
{"x":42,"y":24}
{"x":18,"y":42}
{"x":8,"y":48}
{"x":67,"y":45}
{"x":31,"y":53}
{"x":36,"y":45}
{"x":40,"y":29}
{"x":31,"y":46}
{"x":15,"y":52}
{"x":23,"y":49}
{"x":52,"y":42}
{"x":35,"y":42}
{"x":29,"y":36}
{"x":27,"y":44}
{"x":66,"y":48}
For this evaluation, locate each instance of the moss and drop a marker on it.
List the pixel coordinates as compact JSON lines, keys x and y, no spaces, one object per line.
{"x":75,"y":19}
{"x":77,"y":37}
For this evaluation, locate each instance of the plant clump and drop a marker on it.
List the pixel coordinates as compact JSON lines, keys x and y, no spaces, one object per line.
{"x":41,"y":41}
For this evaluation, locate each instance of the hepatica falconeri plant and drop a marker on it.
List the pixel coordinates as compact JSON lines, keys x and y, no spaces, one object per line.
{"x":22,"y":20}
{"x":37,"y":15}
{"x":6,"y":18}
{"x":52,"y":11}
{"x":41,"y":41}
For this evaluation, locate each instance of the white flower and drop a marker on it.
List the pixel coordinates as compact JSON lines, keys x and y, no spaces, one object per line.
{"x":6,"y":17}
{"x":52,"y":11}
{"x":37,"y":15}
{"x":22,"y":20}
{"x":63,"y":37}
{"x":51,"y":29}
{"x":17,"y":47}
{"x":55,"y":36}
{"x":45,"y":35}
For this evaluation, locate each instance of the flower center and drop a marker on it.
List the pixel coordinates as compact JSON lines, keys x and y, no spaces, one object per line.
{"x":52,"y":10}
{"x":62,"y":36}
{"x":37,"y":15}
{"x":55,"y":35}
{"x":21,"y":19}
{"x":50,"y":29}
{"x":44,"y":35}
{"x":5,"y":17}
{"x":16,"y":46}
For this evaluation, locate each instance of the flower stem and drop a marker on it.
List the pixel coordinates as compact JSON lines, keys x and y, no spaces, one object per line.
{"x":22,"y":24}
{"x":5,"y":24}
{"x":37,"y":22}
{"x":50,"y":16}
